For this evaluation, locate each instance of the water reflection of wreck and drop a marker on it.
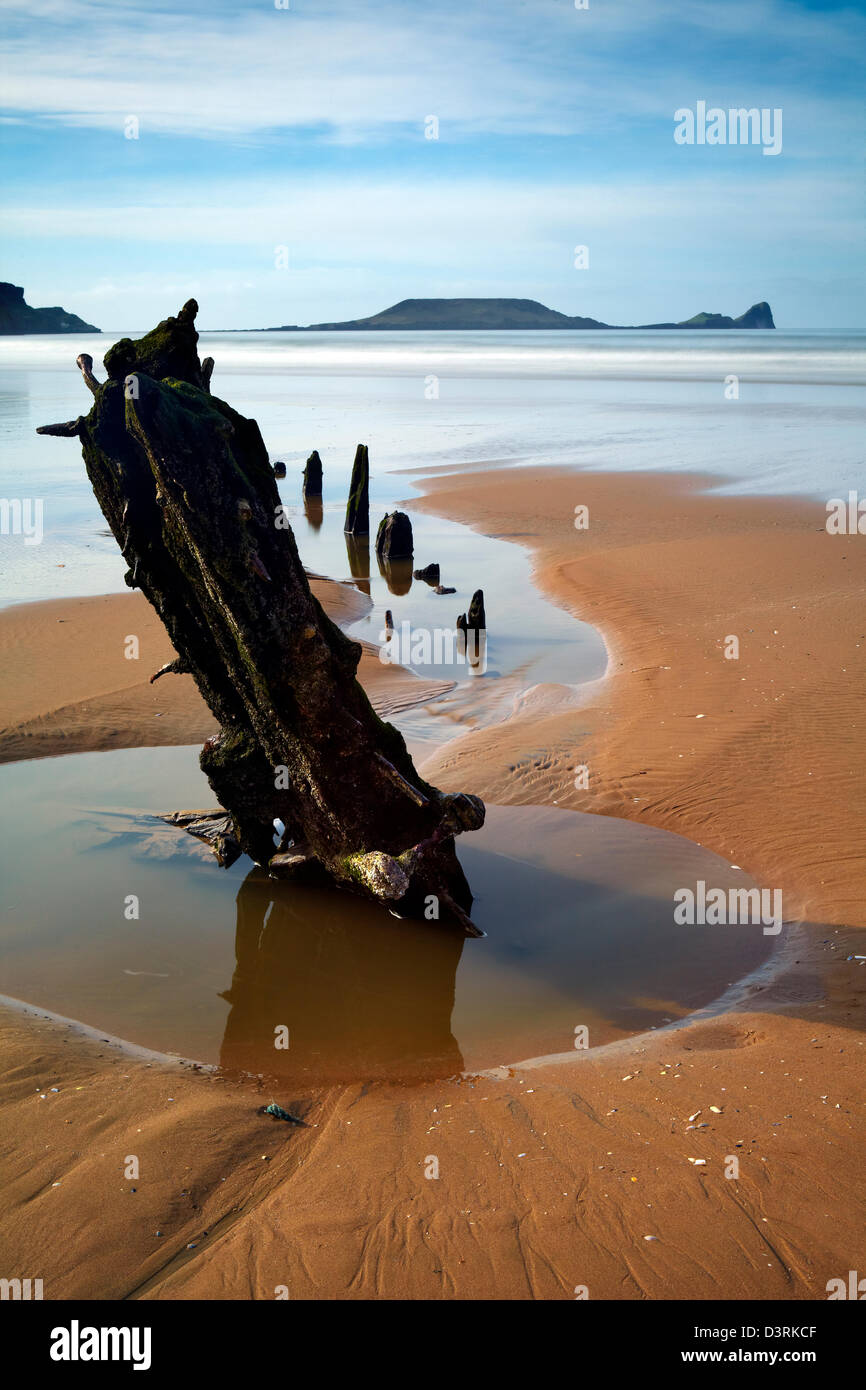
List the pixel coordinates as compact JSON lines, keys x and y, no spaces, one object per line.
{"x":358,"y":550}
{"x":314,"y":512}
{"x":397,"y":574}
{"x":362,"y":995}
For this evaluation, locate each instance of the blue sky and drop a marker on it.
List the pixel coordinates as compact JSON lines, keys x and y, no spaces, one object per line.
{"x":305,"y":128}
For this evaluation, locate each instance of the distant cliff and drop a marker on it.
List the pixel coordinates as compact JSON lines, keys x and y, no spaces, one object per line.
{"x":18,"y":317}
{"x":759,"y":316}
{"x":461,"y":314}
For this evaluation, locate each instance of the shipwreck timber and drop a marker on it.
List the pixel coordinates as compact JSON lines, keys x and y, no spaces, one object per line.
{"x":358,"y":505}
{"x":185,"y":484}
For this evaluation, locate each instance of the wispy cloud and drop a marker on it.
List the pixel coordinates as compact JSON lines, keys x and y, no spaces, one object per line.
{"x":499,"y":65}
{"x":304,"y":127}
{"x":418,"y":215}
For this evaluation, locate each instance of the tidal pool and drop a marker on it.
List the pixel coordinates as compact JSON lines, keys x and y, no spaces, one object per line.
{"x":578,"y":911}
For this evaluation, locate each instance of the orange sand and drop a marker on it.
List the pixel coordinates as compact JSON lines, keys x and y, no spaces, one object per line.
{"x":551,"y":1175}
{"x":68,"y":687}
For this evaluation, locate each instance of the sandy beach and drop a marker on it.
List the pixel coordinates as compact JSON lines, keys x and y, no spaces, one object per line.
{"x":69,"y":686}
{"x":555,"y":1174}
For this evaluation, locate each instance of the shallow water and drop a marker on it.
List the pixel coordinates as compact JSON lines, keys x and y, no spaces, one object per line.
{"x":618,"y":401}
{"x":580,"y":933}
{"x":528,"y":639}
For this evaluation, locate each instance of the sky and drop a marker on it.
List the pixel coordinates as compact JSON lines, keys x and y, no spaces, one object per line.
{"x":283,"y":171}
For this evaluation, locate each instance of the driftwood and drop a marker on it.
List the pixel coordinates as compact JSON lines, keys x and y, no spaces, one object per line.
{"x":186,"y":487}
{"x":358,"y":505}
{"x":394,"y":537}
{"x":214,"y":827}
{"x":476,"y":620}
{"x":472,"y":628}
{"x":84,"y":363}
{"x":67,"y":429}
{"x":313,"y":475}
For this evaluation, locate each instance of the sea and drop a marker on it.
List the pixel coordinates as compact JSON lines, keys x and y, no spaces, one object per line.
{"x":760,"y":412}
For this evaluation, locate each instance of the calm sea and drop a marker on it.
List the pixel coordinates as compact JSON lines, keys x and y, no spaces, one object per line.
{"x":791,"y":421}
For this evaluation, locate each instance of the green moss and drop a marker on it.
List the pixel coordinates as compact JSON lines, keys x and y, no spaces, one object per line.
{"x":358,"y":506}
{"x":349,"y":869}
{"x":170,"y":349}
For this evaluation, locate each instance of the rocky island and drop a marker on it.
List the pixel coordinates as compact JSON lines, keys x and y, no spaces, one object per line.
{"x":17,"y":317}
{"x":510,"y":314}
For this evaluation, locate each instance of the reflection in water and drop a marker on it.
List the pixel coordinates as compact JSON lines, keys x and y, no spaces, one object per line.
{"x":313,"y":511}
{"x":578,"y":912}
{"x":362,"y":994}
{"x":397,"y":574}
{"x":472,"y":647}
{"x":358,"y":551}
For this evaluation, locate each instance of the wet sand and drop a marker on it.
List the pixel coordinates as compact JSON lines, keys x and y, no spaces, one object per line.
{"x":68,"y":686}
{"x":759,"y":758}
{"x":551,"y":1175}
